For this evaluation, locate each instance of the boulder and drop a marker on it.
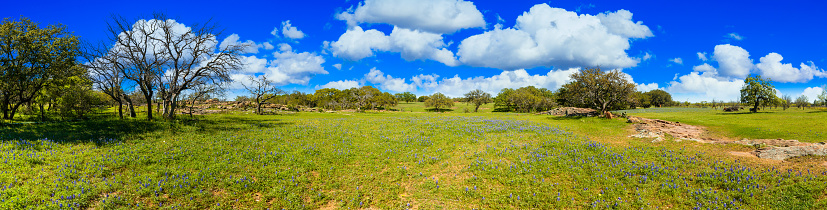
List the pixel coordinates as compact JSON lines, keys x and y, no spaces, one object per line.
{"x":782,"y":153}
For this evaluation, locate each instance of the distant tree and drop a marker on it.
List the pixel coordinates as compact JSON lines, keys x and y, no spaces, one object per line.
{"x":757,"y":91}
{"x":439,"y":101}
{"x":802,"y":101}
{"x":786,"y":100}
{"x":326,"y":97}
{"x":597,"y":89}
{"x":822,"y":98}
{"x":201,"y":92}
{"x":504,"y":100}
{"x":261,"y":90}
{"x":31,"y":58}
{"x":406,"y":97}
{"x":659,"y":98}
{"x":478,"y":98}
{"x":422,"y":98}
{"x":640,"y":99}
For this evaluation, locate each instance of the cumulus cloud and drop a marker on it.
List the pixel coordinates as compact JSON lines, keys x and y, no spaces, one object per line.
{"x":546,"y":36}
{"x":341,"y":85}
{"x":387,"y":82}
{"x":456,"y":86}
{"x":771,"y":67}
{"x":338,"y":66}
{"x":356,"y":44}
{"x":698,"y":86}
{"x":677,"y":60}
{"x":290,"y":31}
{"x":434,"y":16}
{"x":705,"y":68}
{"x":647,"y":87}
{"x":732,"y":61}
{"x":812,"y":93}
{"x":287,"y":67}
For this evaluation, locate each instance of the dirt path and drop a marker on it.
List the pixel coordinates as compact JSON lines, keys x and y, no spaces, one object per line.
{"x":776,"y":149}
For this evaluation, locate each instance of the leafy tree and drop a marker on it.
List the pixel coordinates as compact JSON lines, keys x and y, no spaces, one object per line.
{"x":640,"y":99}
{"x":503,"y":100}
{"x":597,"y":89}
{"x":422,"y":98}
{"x":757,"y":91}
{"x":31,"y":58}
{"x":659,"y":98}
{"x":802,"y":101}
{"x":822,"y":98}
{"x":406,"y":97}
{"x":478,"y":98}
{"x":438,"y":101}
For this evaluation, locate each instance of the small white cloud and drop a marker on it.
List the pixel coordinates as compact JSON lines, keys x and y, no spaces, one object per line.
{"x":647,"y":87}
{"x":704,"y":68}
{"x":338,"y":66}
{"x":646,"y":56}
{"x":702,"y":56}
{"x":341,"y":85}
{"x":284,"y":47}
{"x":734,"y":36}
{"x":267,"y":46}
{"x":290,"y":31}
{"x":388,"y":82}
{"x":677,"y":60}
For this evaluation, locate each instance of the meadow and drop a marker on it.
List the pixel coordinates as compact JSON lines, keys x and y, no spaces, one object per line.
{"x":397,"y":160}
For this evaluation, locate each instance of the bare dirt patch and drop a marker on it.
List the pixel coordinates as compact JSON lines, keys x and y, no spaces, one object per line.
{"x":775,"y":149}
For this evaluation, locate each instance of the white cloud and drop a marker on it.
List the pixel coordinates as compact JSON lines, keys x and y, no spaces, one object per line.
{"x":267,"y":46}
{"x":702,"y":56}
{"x":388,"y":82}
{"x":705,"y":68}
{"x":734,"y":36}
{"x":356,"y":44}
{"x":705,"y":86}
{"x":812,"y":93}
{"x":647,"y":87}
{"x":771,"y":67}
{"x":646,"y":56}
{"x":732,"y":61}
{"x":284,"y":47}
{"x":341,"y":85}
{"x":286,"y":68}
{"x":338,"y":66}
{"x":249,"y":46}
{"x":435,"y":16}
{"x":546,"y":36}
{"x":456,"y":86}
{"x":290,"y":31}
{"x":677,"y":60}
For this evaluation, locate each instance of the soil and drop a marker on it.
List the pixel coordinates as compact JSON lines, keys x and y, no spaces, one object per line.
{"x":776,"y":149}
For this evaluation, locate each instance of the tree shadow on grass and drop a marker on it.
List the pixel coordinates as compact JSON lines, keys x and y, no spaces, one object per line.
{"x":740,"y":113}
{"x":440,"y":110}
{"x":567,"y":118}
{"x":98,"y":130}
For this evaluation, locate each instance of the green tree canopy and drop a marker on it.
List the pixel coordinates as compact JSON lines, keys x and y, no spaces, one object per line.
{"x":757,"y":91}
{"x":439,"y":101}
{"x":478,"y":98}
{"x":32,"y":57}
{"x":659,"y":97}
{"x":597,"y":89}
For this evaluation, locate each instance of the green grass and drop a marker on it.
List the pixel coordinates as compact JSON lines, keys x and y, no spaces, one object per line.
{"x":380,"y":160}
{"x":804,"y":125}
{"x":458,"y":107}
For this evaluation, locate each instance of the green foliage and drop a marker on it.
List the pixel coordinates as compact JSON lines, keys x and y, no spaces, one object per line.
{"x":525,"y":99}
{"x":659,"y":98}
{"x":802,"y":101}
{"x":406,"y":97}
{"x":439,"y":101}
{"x":478,"y":98}
{"x":757,"y":91}
{"x":422,"y":98}
{"x":594,"y":88}
{"x":32,"y":58}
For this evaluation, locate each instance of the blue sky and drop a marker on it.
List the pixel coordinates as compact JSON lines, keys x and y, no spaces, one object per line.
{"x":696,"y":50}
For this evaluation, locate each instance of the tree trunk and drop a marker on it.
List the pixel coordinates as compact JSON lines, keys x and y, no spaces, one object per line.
{"x":130,"y":106}
{"x":148,"y":106}
{"x":258,"y":106}
{"x":42,"y":113}
{"x":120,"y":109}
{"x":172,"y":106}
{"x":476,"y":108}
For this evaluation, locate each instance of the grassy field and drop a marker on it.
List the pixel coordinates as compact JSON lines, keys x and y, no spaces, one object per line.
{"x":393,"y":160}
{"x":806,"y":125}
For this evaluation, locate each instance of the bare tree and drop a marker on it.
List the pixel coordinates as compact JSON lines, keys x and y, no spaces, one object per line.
{"x":165,"y":57}
{"x":262,"y":90}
